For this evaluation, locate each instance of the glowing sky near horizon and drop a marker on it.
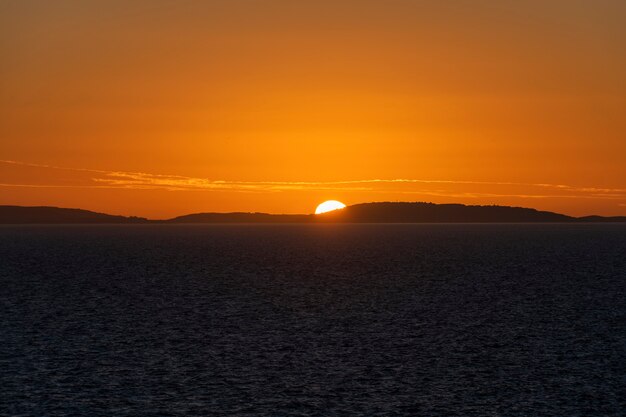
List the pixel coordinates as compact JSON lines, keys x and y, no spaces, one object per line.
{"x":159,"y":107}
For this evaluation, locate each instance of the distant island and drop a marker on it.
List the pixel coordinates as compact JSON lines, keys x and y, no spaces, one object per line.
{"x":56,"y":215}
{"x":386,"y":212}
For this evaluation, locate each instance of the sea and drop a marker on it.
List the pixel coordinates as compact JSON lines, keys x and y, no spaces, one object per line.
{"x":313,"y":320}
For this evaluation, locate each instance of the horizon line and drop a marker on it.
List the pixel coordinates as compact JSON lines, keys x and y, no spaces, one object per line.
{"x":312,"y":214}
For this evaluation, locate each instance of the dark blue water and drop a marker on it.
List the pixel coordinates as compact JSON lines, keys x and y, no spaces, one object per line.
{"x":305,"y":320}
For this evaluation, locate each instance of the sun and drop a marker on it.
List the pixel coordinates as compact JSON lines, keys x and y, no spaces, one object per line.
{"x":329,"y":205}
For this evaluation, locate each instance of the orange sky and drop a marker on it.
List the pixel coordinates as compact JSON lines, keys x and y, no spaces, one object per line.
{"x":159,"y":108}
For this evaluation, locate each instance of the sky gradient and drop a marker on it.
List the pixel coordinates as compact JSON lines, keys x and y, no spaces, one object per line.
{"x":159,"y":108}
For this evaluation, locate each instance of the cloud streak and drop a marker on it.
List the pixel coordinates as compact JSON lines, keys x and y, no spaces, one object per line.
{"x":130,"y":180}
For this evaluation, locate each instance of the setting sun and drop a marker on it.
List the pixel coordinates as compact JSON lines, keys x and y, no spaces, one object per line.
{"x":159,"y":161}
{"x":329,"y":205}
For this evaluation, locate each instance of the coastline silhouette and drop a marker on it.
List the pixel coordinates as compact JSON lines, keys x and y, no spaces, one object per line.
{"x":382,"y":212}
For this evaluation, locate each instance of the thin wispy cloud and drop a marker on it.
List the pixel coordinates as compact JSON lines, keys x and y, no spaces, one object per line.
{"x":151,"y":181}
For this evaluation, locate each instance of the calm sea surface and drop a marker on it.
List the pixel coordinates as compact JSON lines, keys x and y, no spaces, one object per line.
{"x":299,"y":320}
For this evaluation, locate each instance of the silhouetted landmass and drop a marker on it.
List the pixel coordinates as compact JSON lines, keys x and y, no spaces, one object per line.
{"x":439,"y":213}
{"x":388,"y":212}
{"x":56,"y":215}
{"x":600,"y":219}
{"x":241,"y":218}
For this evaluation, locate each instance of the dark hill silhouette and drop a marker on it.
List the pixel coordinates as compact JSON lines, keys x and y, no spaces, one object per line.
{"x":56,"y":215}
{"x":241,"y":218}
{"x":387,"y":212}
{"x":438,"y":213}
{"x":600,"y":219}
